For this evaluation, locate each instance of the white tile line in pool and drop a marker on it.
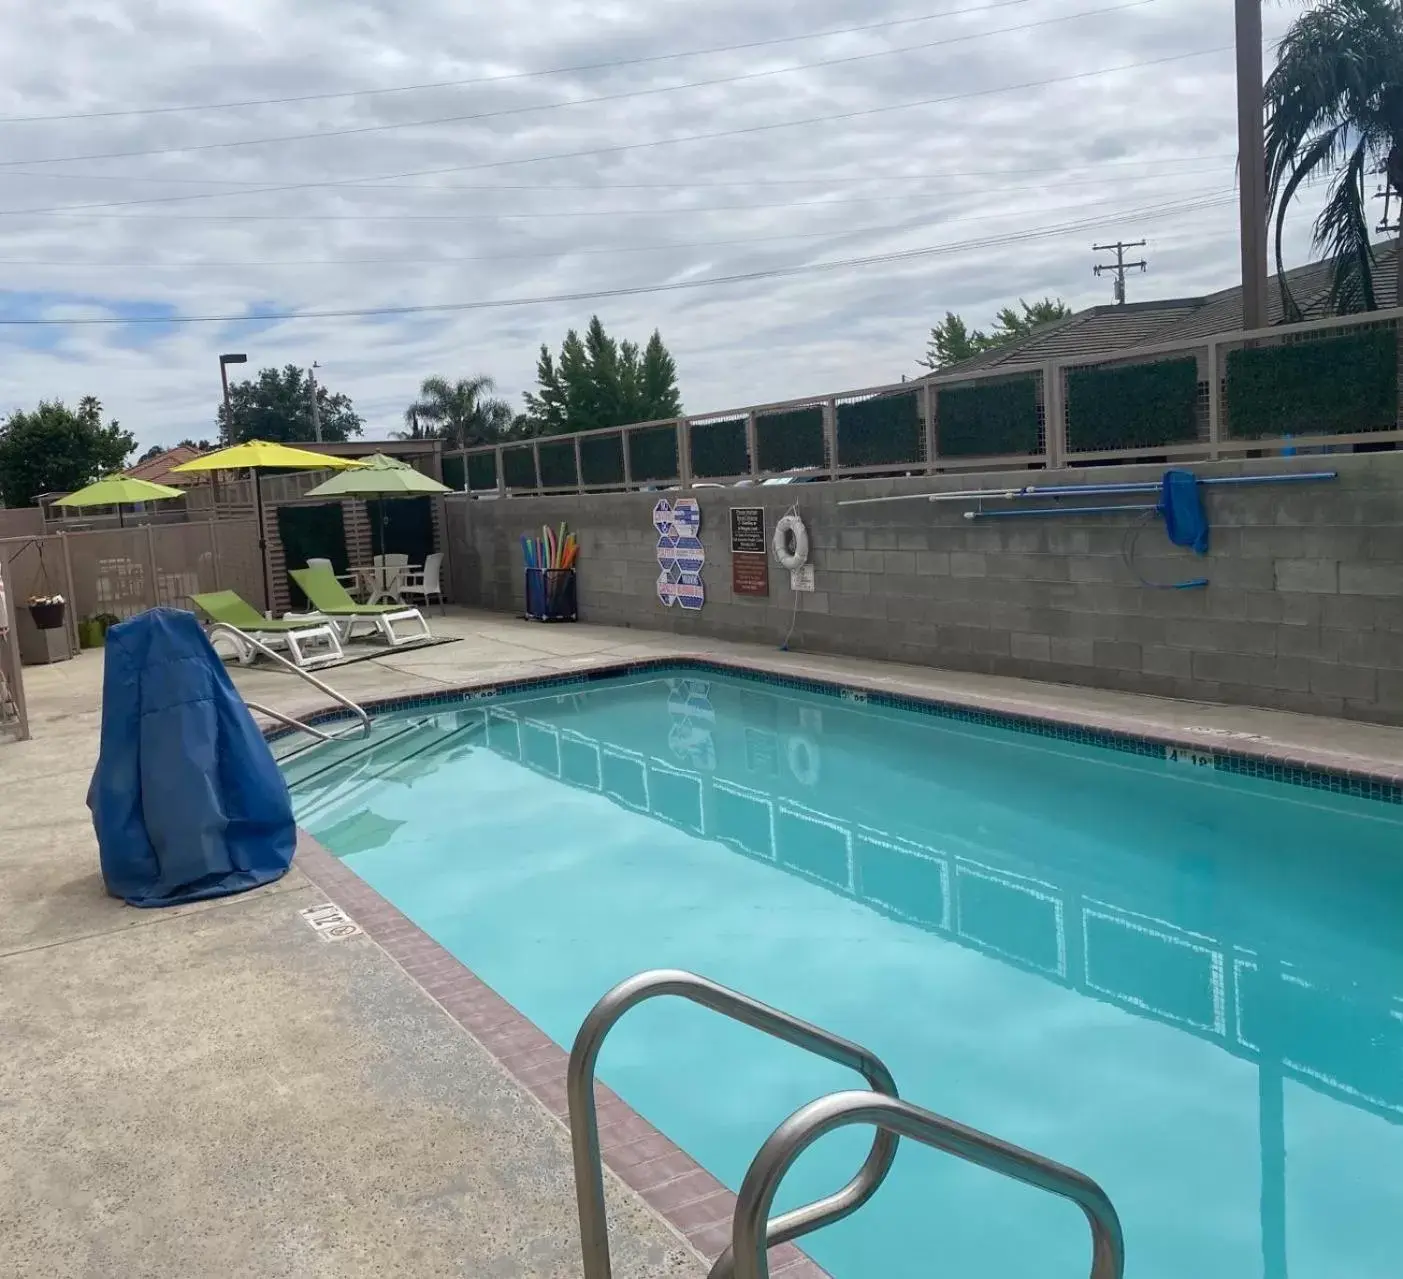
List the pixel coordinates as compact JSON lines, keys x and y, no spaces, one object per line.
{"x":1256,"y":747}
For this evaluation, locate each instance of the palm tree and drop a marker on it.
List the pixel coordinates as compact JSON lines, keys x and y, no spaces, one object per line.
{"x":1334,"y":106}
{"x":463,"y":413}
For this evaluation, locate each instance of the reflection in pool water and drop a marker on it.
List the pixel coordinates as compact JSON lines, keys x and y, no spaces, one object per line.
{"x":1182,"y":982}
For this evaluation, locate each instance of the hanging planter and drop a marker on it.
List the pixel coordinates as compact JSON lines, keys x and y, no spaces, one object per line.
{"x":47,"y":611}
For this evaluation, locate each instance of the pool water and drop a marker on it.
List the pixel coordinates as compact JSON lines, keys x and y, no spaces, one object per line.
{"x":1185,"y":983}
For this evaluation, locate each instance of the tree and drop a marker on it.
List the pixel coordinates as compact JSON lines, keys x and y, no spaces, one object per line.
{"x":278,"y":407}
{"x":598,"y":382}
{"x":1009,"y":326}
{"x":463,"y":413}
{"x":1334,"y":105}
{"x":953,"y":341}
{"x":54,"y":448}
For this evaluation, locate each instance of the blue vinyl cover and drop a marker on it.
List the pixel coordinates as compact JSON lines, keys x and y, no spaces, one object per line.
{"x":1182,"y":505}
{"x":186,"y":799}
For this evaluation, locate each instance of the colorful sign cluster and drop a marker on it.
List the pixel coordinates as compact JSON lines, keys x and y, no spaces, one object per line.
{"x":680,"y":553}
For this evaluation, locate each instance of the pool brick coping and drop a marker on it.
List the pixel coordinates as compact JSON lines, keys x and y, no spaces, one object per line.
{"x":671,"y":1182}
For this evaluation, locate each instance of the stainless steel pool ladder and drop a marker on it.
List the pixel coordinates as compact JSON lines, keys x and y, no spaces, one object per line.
{"x":243,"y":638}
{"x":754,"y":1232}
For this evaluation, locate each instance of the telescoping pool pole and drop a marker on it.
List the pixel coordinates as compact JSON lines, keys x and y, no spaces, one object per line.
{"x":1086,"y":490}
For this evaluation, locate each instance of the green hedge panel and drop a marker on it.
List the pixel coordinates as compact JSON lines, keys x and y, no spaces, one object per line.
{"x":482,"y":471}
{"x":558,"y":464}
{"x":519,"y":467}
{"x":1330,"y":386}
{"x":787,"y":441}
{"x":1132,"y":406}
{"x":886,"y":428}
{"x":652,"y":454}
{"x":454,"y":472}
{"x":718,"y":448}
{"x":983,"y":421}
{"x":602,"y":459}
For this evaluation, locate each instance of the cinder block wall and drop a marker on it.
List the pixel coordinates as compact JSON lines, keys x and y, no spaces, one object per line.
{"x":1304,"y":611}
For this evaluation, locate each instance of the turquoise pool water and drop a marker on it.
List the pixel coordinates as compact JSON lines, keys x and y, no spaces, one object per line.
{"x":1187,"y":984}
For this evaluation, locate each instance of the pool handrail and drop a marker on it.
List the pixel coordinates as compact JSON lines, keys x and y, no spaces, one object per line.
{"x":749,"y":1243}
{"x":243,"y":637}
{"x":584,"y":1122}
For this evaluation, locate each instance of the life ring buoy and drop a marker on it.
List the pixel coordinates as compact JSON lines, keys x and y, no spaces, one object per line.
{"x":791,"y":544}
{"x":803,"y":758}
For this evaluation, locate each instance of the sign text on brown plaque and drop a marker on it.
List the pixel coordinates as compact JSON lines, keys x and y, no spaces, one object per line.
{"x":750,"y":567}
{"x":750,"y":573}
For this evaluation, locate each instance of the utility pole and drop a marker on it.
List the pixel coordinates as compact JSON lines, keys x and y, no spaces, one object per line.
{"x":1392,"y":224}
{"x":1251,"y":163}
{"x":316,"y":410}
{"x":1120,"y":266}
{"x":1389,"y":224}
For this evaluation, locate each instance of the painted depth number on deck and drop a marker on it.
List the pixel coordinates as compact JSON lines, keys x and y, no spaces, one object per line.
{"x":331,"y":922}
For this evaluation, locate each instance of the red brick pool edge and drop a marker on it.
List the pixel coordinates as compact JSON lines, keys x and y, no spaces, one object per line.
{"x":670,"y":1181}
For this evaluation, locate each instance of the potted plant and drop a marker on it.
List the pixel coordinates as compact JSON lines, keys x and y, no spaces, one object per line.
{"x":47,"y":611}
{"x":106,"y":621}
{"x":91,"y":633}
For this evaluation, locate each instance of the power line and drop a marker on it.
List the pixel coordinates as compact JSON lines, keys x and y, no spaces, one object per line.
{"x":374,"y":183}
{"x":619,"y":148}
{"x":635,"y":291}
{"x":358,"y":130}
{"x":97,"y":210}
{"x":448,"y":260}
{"x":510,"y":76}
{"x":828,"y":233}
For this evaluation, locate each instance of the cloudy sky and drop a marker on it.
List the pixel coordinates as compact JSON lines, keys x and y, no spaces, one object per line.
{"x":436,"y":154}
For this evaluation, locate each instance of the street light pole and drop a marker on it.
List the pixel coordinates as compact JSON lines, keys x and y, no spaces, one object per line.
{"x":1251,"y":163}
{"x":316,"y":411}
{"x":224,"y":362}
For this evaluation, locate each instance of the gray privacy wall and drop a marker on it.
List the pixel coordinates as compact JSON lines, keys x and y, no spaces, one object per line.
{"x":1304,"y":611}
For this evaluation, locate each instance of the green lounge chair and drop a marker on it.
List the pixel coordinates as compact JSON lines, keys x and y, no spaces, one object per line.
{"x":330,"y":603}
{"x":309,"y":643}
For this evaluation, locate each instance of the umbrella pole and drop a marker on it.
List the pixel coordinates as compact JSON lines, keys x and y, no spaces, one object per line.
{"x":262,"y":542}
{"x":121,"y":523}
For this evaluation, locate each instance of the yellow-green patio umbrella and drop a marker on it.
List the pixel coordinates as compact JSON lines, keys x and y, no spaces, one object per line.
{"x":379,"y":476}
{"x":120,"y":490}
{"x":262,"y":455}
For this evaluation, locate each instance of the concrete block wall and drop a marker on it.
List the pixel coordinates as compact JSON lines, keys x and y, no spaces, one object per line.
{"x":1304,"y":610}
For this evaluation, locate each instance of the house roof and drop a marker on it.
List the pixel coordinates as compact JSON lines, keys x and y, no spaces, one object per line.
{"x":1102,"y":330}
{"x":158,"y":469}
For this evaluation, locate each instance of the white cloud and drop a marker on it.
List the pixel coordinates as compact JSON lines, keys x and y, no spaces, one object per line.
{"x":977,"y":168}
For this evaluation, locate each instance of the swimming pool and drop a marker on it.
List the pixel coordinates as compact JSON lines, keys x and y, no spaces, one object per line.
{"x":1186,"y":983}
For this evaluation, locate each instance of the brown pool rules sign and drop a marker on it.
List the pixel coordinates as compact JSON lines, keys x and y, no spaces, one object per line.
{"x":750,"y":566}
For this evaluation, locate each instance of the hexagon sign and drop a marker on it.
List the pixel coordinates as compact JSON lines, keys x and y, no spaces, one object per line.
{"x":681,"y":555}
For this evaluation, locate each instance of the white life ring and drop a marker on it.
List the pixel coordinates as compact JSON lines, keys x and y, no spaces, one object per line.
{"x":791,"y":529}
{"x":803,"y":759}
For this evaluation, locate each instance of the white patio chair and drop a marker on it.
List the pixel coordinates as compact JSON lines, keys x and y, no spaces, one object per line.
{"x":425,"y":585}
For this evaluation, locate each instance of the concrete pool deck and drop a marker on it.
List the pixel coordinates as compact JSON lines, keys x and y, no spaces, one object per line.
{"x":217,"y":1089}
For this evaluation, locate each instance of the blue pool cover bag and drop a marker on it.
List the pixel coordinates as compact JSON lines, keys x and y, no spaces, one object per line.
{"x":186,"y":799}
{"x":1182,"y":504}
